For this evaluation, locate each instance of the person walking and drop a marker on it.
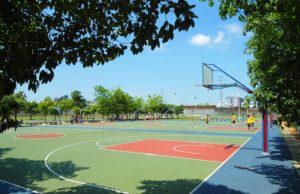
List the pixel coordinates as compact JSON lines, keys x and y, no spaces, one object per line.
{"x":233,"y":119}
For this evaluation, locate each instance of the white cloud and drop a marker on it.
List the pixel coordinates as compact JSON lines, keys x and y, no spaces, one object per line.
{"x":222,"y":40}
{"x":200,"y":40}
{"x":219,"y":38}
{"x":234,"y":28}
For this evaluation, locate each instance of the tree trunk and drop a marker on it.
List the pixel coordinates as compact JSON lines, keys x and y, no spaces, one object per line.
{"x":66,"y":116}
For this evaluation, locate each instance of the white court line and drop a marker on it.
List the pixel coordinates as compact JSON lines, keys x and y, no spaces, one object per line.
{"x":198,"y":141}
{"x":219,"y":167}
{"x":177,"y":150}
{"x":101,"y":146}
{"x":15,"y":185}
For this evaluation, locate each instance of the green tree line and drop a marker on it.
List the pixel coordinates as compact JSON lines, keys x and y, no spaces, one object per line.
{"x":112,"y":104}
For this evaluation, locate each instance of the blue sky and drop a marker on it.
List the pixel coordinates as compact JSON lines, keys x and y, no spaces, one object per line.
{"x":174,"y":68}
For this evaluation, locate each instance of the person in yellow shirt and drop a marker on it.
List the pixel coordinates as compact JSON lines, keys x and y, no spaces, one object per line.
{"x":252,"y":121}
{"x":249,"y":122}
{"x":233,"y":119}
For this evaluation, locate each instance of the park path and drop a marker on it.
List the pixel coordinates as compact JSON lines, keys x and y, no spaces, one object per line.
{"x":258,"y":173}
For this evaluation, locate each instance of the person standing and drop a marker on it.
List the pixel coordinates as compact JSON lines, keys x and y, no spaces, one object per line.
{"x":207,"y":120}
{"x":252,"y":121}
{"x":249,"y":122}
{"x":233,"y":119}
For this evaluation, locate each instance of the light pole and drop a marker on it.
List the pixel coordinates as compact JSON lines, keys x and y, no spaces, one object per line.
{"x":174,"y":104}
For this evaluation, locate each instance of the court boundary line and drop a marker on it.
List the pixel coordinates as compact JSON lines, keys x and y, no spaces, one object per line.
{"x":213,"y":172}
{"x":196,"y":141}
{"x":19,"y":186}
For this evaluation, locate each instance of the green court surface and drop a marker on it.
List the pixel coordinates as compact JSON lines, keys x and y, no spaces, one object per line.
{"x":76,"y":162}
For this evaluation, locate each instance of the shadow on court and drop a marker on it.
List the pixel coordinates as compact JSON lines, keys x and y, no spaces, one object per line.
{"x":3,"y":151}
{"x":280,"y":151}
{"x":257,"y":174}
{"x":82,"y":190}
{"x":215,"y":189}
{"x":26,"y":172}
{"x":168,"y":186}
{"x":280,"y":175}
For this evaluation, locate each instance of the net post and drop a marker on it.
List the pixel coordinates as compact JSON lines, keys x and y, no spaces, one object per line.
{"x":265,"y":131}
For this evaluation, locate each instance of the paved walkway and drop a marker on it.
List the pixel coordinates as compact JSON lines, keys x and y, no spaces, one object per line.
{"x":259,"y":174}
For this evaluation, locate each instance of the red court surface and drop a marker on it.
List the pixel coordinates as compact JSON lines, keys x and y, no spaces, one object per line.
{"x":180,"y":149}
{"x":39,"y":136}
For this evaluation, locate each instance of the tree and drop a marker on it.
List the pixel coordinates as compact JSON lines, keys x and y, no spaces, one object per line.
{"x":11,"y":104}
{"x":102,"y":100}
{"x":93,"y":110}
{"x":78,"y":99}
{"x":46,"y":106}
{"x":36,"y":36}
{"x":18,"y":103}
{"x":136,"y":106}
{"x":154,"y":104}
{"x":31,"y":108}
{"x":65,"y":105}
{"x":164,"y":108}
{"x":274,"y":71}
{"x":179,"y":110}
{"x":246,"y":103}
{"x":6,"y":110}
{"x":90,"y":109}
{"x":116,"y":102}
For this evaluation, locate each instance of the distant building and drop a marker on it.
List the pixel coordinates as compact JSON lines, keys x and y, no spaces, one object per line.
{"x":200,"y":110}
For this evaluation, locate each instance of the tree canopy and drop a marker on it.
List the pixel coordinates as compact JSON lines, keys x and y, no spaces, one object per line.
{"x":37,"y":36}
